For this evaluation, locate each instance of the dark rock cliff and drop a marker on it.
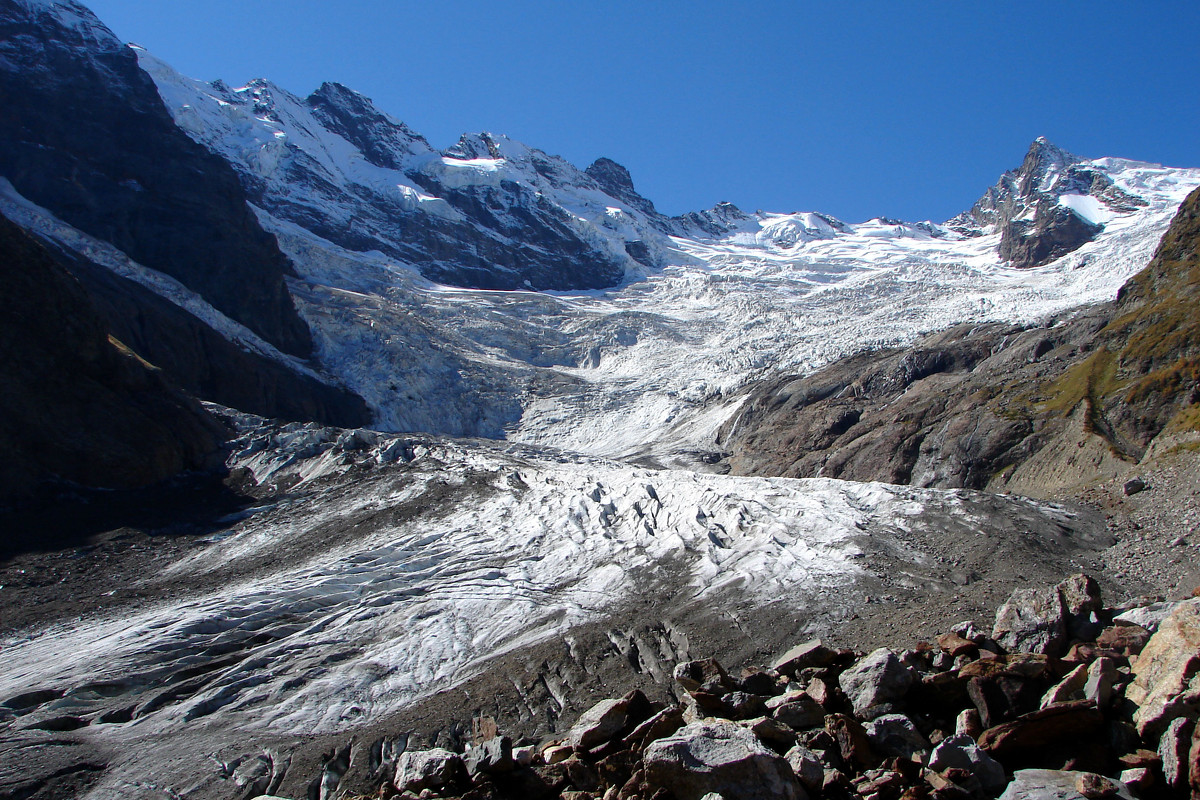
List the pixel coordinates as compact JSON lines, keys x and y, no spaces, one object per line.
{"x":76,"y":403}
{"x":85,"y":135}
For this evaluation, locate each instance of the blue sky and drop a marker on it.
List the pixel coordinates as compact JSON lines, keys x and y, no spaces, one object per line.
{"x":856,"y":109}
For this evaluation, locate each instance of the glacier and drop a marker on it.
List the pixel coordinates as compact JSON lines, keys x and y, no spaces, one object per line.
{"x":542,"y":462}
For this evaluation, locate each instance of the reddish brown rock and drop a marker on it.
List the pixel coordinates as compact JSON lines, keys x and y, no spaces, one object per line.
{"x":1125,"y":639}
{"x":1166,"y":680}
{"x":955,"y":645}
{"x":1045,"y":728}
{"x":852,"y":741}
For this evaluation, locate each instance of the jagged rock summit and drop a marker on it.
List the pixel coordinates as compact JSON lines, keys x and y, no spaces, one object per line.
{"x":1051,"y":205}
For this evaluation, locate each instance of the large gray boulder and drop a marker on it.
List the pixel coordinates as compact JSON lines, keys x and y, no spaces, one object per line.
{"x":1032,"y":621}
{"x":878,"y":678}
{"x":962,"y":752}
{"x":434,"y":769}
{"x":1053,"y":784}
{"x":895,"y":736}
{"x":721,"y":757}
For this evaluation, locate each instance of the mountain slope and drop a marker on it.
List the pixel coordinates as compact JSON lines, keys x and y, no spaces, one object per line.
{"x":78,"y":405}
{"x":85,"y":135}
{"x":1024,"y":409}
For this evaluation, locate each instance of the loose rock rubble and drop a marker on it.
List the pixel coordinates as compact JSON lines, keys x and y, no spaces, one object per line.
{"x":1092,"y":706}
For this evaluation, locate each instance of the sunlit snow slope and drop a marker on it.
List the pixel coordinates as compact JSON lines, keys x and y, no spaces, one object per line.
{"x":651,"y":368}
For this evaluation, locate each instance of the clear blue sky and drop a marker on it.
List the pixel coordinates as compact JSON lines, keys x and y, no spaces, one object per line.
{"x":860,"y":109}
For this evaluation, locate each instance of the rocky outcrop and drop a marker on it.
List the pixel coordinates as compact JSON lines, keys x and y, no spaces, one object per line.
{"x":1026,"y":206}
{"x":86,"y":136}
{"x":78,"y":405}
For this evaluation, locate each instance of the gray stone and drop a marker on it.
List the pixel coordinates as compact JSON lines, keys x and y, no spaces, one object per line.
{"x":878,"y":678}
{"x":963,"y":753}
{"x":1148,"y":617}
{"x":598,"y":724}
{"x":800,"y":713}
{"x":721,"y":757}
{"x":1102,"y":674}
{"x":435,"y":769}
{"x":1133,"y":486}
{"x":807,"y":767}
{"x":493,"y":756}
{"x":1173,"y":749}
{"x":802,"y":656}
{"x":1052,"y":784}
{"x":895,"y":735}
{"x":1032,"y":621}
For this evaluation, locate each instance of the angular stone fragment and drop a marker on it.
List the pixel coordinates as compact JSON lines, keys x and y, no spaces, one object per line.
{"x":607,"y":720}
{"x":800,"y":713}
{"x":878,"y":678}
{"x":803,"y":656}
{"x":968,"y":723}
{"x":1173,"y":749}
{"x":852,"y":742}
{"x":772,"y":733}
{"x":1043,"y":728}
{"x":1069,"y":688}
{"x":436,"y":769}
{"x":895,"y":736}
{"x":1101,"y":675}
{"x":956,"y":645}
{"x":1126,"y":639}
{"x":1166,"y":680}
{"x":1032,"y":621}
{"x":491,"y":757}
{"x":662,"y":724}
{"x":807,"y":766}
{"x":962,"y":752}
{"x":719,"y":757}
{"x":1052,"y":784}
{"x":1148,"y":617}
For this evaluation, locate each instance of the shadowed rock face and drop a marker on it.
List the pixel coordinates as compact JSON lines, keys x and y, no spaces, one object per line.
{"x":205,"y":364}
{"x":85,"y":135}
{"x":78,"y":405}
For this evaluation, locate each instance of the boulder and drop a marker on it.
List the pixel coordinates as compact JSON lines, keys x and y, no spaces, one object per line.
{"x":799,"y":713}
{"x":852,"y":742}
{"x":1101,"y":677}
{"x":1082,"y":601}
{"x":1173,"y":749}
{"x":704,"y":674}
{"x":664,"y":723}
{"x":491,"y":757}
{"x":1041,"y":729}
{"x":895,"y":736}
{"x":962,"y":752}
{"x":803,"y":656}
{"x":720,"y":757}
{"x":772,"y":733}
{"x":1069,"y":688}
{"x":878,"y":678}
{"x":1166,"y":682}
{"x":607,"y":720}
{"x":1148,"y":617}
{"x":1032,"y":621}
{"x":1053,"y":784}
{"x":956,"y":645}
{"x":807,"y":767}
{"x":1126,"y":638}
{"x":436,"y":769}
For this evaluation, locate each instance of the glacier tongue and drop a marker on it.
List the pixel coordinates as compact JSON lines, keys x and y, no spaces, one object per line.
{"x":390,"y":568}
